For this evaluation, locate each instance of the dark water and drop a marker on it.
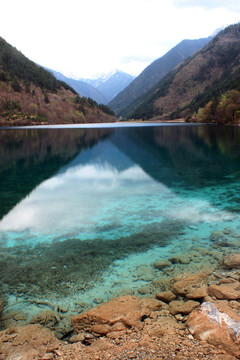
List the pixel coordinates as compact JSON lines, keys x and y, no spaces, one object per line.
{"x":85,"y":212}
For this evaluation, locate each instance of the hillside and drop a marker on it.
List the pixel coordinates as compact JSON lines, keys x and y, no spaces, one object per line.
{"x":155,"y":72}
{"x":82,"y":87}
{"x":31,"y":95}
{"x":208,"y":73}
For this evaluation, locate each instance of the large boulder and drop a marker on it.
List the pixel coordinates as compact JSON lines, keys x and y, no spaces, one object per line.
{"x":215,"y":327}
{"x":27,"y":342}
{"x":115,"y":316}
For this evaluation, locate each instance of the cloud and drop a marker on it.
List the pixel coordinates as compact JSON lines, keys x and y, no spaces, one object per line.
{"x":232,"y":5}
{"x":84,"y":38}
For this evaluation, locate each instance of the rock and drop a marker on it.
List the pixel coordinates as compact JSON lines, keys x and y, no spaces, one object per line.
{"x":234,"y":305}
{"x":217,"y":236}
{"x":217,"y":328}
{"x":154,"y":331}
{"x":161,"y":264}
{"x":227,"y":281}
{"x":122,"y":313}
{"x":47,"y":318}
{"x":224,"y":292}
{"x":182,"y":307}
{"x":152,"y":304}
{"x":101,"y":345}
{"x":27,"y":342}
{"x":225,"y":307}
{"x":13,"y":318}
{"x":198,"y":293}
{"x":179,"y":259}
{"x":20,"y":316}
{"x":48,"y":356}
{"x":144,"y":290}
{"x":166,"y":296}
{"x":232,"y":261}
{"x":77,"y":338}
{"x":63,"y":309}
{"x":189,"y":284}
{"x":146,"y":277}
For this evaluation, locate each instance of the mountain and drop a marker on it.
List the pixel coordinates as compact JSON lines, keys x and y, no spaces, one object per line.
{"x":202,"y":77}
{"x":83,"y":88}
{"x":111,"y":84}
{"x":30,"y":95}
{"x":155,"y":72}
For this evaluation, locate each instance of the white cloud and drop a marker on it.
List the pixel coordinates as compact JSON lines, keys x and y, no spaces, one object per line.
{"x":88,"y":37}
{"x":232,"y":5}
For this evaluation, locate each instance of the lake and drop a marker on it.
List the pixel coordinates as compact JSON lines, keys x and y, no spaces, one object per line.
{"x":90,"y":213}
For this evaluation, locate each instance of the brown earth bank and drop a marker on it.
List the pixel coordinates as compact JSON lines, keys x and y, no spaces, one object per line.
{"x":198,"y":317}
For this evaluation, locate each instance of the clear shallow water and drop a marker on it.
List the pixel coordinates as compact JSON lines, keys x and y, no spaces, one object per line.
{"x":86,"y":212}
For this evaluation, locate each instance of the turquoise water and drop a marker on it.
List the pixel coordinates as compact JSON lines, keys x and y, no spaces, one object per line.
{"x":85,"y":212}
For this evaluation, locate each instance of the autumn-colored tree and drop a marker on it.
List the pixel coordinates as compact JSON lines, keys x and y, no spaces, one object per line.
{"x":222,"y":110}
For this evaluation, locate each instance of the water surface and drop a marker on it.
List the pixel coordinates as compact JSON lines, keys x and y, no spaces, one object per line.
{"x":86,"y":212}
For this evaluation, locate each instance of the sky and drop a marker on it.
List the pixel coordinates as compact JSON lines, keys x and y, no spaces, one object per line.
{"x":85,"y":38}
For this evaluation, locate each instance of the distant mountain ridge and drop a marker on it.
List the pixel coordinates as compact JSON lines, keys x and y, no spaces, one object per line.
{"x":102,"y":89}
{"x":155,"y":72}
{"x":202,"y":77}
{"x":111,"y":84}
{"x":82,"y":87}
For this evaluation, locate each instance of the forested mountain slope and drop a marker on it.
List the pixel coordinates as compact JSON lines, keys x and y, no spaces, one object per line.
{"x":30,"y":94}
{"x":155,"y":72}
{"x":208,"y":73}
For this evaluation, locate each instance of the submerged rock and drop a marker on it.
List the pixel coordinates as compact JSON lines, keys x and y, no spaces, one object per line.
{"x":180,"y":259}
{"x":161,"y":264}
{"x":47,"y":318}
{"x":217,"y":236}
{"x":232,"y":261}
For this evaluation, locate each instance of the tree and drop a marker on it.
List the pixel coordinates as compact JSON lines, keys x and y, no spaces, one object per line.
{"x":15,"y":85}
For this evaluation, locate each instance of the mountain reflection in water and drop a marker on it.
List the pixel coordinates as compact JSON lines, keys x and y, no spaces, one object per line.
{"x":70,"y":181}
{"x":77,"y":203}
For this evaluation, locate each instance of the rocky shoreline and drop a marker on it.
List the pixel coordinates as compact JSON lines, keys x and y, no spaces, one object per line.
{"x":197,"y":317}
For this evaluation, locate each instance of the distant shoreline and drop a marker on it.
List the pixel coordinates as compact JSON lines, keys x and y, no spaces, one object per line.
{"x":118,"y":124}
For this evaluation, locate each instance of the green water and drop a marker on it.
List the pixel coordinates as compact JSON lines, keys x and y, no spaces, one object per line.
{"x":86,"y":212}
